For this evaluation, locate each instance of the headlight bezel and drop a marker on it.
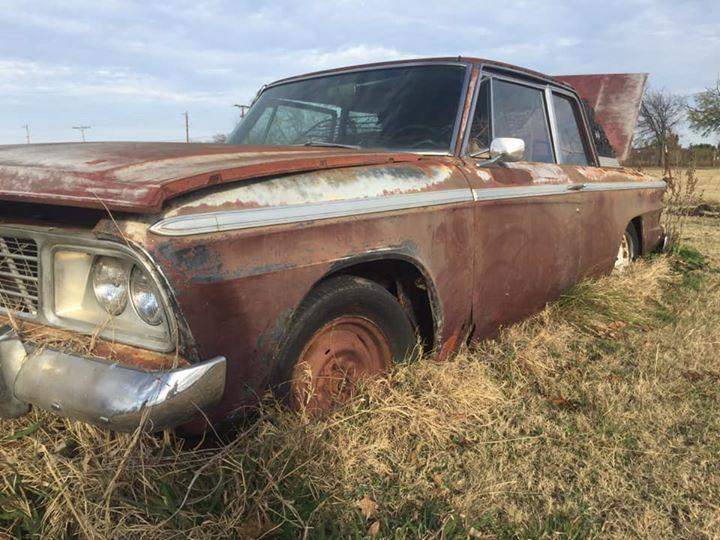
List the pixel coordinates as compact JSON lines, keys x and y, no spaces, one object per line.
{"x":51,"y":239}
{"x":160,"y":338}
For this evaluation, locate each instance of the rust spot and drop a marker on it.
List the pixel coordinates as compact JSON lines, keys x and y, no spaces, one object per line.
{"x":42,"y":336}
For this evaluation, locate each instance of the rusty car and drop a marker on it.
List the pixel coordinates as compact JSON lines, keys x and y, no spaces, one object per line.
{"x":353,"y":218}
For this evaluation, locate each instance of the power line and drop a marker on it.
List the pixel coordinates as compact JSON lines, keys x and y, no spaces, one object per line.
{"x":82,"y":129}
{"x":27,"y":133}
{"x":187,"y":128}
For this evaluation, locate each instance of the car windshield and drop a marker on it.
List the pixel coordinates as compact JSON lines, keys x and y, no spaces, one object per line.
{"x":403,"y":108}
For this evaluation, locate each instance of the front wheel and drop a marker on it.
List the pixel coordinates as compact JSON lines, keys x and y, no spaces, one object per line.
{"x":348,"y":328}
{"x":628,"y":250}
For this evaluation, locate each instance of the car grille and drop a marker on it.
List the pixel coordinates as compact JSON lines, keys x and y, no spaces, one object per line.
{"x":19,"y":275}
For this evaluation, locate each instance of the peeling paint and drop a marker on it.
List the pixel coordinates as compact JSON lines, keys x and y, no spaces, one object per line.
{"x":317,"y":187}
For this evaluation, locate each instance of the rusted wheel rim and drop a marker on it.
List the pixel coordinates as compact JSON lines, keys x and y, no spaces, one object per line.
{"x":336,"y":357}
{"x":624,"y":256}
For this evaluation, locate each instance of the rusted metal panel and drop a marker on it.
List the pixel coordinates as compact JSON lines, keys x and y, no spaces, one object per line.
{"x":616,"y":100}
{"x":140,"y":177}
{"x":228,"y":284}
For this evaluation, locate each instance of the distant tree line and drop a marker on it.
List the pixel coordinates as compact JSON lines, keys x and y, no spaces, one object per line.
{"x":661,"y":114}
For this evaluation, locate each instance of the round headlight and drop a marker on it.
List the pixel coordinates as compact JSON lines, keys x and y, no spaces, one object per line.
{"x":145,"y":297}
{"x":110,"y":284}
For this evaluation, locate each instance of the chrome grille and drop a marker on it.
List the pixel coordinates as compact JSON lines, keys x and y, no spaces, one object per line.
{"x":19,"y":275}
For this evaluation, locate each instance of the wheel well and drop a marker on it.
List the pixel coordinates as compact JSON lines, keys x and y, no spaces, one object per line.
{"x":407,"y":283}
{"x":636,"y":222}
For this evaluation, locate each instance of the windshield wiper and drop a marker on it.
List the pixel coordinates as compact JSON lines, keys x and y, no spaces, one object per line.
{"x":329,"y":145}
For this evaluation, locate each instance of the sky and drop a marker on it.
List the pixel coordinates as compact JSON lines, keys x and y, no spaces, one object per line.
{"x":130,"y":69}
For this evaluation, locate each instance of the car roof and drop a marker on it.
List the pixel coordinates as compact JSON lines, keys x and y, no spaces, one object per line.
{"x":460,"y":60}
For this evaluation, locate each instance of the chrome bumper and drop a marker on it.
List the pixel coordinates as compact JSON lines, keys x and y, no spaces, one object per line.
{"x":103,"y":393}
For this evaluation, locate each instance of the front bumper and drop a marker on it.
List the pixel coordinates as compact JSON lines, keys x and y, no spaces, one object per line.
{"x":103,"y":393}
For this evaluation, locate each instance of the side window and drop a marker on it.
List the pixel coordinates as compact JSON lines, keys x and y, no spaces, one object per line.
{"x":519,"y":112}
{"x":570,"y":142}
{"x":481,"y":131}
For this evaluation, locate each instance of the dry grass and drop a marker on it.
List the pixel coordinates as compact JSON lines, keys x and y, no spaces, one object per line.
{"x":708,"y":181}
{"x":598,"y":417}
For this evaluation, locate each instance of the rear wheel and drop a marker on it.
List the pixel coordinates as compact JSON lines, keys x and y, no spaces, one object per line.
{"x":348,"y":328}
{"x":628,"y":250}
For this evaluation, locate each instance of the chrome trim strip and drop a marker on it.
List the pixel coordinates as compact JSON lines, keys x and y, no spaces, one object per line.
{"x":552,"y":123}
{"x":232,"y":220}
{"x":612,"y":186}
{"x":263,"y":217}
{"x":520,"y":192}
{"x":368,"y":67}
{"x":608,"y":161}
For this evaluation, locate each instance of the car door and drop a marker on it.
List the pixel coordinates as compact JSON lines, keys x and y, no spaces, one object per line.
{"x":601,"y":224}
{"x":526,"y":213}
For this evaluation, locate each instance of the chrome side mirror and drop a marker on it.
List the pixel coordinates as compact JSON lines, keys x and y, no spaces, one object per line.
{"x":507,"y":149}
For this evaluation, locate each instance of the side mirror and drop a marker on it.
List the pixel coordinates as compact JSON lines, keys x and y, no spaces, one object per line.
{"x":507,"y":149}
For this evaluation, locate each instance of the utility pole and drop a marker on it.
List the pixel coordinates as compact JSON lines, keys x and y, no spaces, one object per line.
{"x":243,"y":109}
{"x":187,"y":128}
{"x":82,"y":129}
{"x":27,"y":133}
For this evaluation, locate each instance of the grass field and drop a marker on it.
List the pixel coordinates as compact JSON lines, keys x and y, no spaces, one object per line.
{"x":596,"y":418}
{"x":708,"y":182}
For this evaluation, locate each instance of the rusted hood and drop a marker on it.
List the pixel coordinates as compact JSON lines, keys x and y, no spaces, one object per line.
{"x":140,"y":177}
{"x":616,"y":99}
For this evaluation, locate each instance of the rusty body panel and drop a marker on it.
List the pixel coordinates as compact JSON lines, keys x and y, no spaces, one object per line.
{"x":615,"y":98}
{"x":241,"y":235}
{"x":140,"y":177}
{"x":222,"y":281}
{"x":529,"y":250}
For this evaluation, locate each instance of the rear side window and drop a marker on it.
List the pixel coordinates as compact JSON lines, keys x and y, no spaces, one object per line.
{"x":519,"y":112}
{"x":570,"y":142}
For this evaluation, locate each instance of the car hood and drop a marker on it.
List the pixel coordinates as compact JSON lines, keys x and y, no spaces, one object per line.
{"x":140,"y":177}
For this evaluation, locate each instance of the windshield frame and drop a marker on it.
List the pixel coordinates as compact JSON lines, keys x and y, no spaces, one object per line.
{"x":466,"y":66}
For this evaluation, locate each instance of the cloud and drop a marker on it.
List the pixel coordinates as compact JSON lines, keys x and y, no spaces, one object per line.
{"x":130,"y":63}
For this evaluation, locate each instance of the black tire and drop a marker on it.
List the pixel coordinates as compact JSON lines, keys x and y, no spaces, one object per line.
{"x":338,"y":297}
{"x":634,"y":241}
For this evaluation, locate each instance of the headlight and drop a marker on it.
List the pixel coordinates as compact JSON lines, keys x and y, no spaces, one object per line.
{"x":145,"y":297}
{"x":110,"y":284}
{"x":88,"y":284}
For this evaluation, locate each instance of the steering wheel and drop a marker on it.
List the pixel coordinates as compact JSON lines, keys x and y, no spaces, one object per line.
{"x":301,"y":136}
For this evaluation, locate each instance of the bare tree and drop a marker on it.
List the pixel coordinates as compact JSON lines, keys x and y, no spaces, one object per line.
{"x":705,"y":115}
{"x":660,"y":113}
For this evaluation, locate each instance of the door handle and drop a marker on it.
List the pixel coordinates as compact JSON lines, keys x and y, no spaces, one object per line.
{"x":575,"y":187}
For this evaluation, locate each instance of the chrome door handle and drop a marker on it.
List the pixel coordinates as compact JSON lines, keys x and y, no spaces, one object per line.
{"x":575,"y":187}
